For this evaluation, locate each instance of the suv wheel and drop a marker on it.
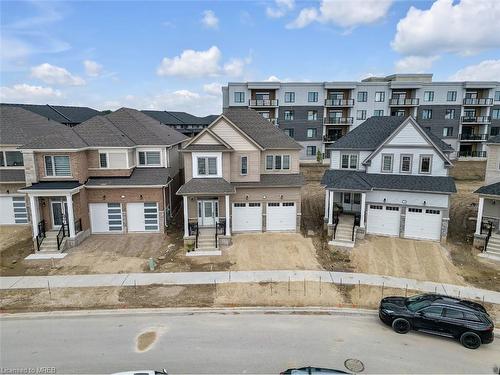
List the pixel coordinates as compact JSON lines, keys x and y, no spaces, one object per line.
{"x":401,"y":325}
{"x":470,"y":340}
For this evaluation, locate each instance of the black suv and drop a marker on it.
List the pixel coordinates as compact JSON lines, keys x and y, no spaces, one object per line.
{"x":441,"y":315}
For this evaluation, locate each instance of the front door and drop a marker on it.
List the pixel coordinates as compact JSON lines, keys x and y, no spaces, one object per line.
{"x":208,"y":212}
{"x":59,"y":213}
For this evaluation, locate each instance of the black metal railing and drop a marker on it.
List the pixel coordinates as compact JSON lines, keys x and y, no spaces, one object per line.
{"x":220,"y":229}
{"x":41,"y":234}
{"x":78,"y":226}
{"x":263,"y":102}
{"x":335,"y":222}
{"x":473,"y":137}
{"x":339,"y":102}
{"x":472,"y":154}
{"x":357,"y":220}
{"x":194,"y":231}
{"x":330,"y":120}
{"x":476,"y":119}
{"x":331,"y":138}
{"x":478,"y":101}
{"x":406,"y":101}
{"x":63,"y":232}
{"x":489,"y":229}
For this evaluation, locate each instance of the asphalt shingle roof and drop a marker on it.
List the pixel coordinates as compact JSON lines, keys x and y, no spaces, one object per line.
{"x":60,"y":113}
{"x":198,"y":147}
{"x":206,"y":185}
{"x":357,"y":180}
{"x":12,"y":175}
{"x":492,"y":189}
{"x":275,"y":180}
{"x":139,"y":177}
{"x":259,"y":129}
{"x":53,"y":185}
{"x":179,"y":118}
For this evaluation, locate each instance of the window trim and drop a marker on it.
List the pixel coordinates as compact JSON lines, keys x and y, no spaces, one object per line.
{"x":194,"y":163}
{"x":454,"y":95}
{"x":382,"y":163}
{"x":310,"y":146}
{"x":282,"y":157}
{"x":241,"y":165}
{"x":315,"y":96}
{"x":401,"y":163}
{"x":349,"y":155}
{"x":314,"y":131}
{"x":243,"y":96}
{"x":382,"y":96}
{"x":292,"y":97}
{"x":431,"y":96}
{"x":365,"y":96}
{"x":107,"y":160}
{"x":4,"y":156}
{"x":420,"y":163}
{"x":54,"y":166}
{"x":146,"y":159}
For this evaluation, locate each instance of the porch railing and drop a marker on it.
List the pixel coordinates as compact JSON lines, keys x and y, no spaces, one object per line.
{"x":41,"y":234}
{"x":357,"y":220}
{"x":194,"y":231}
{"x":220,"y":229}
{"x":63,"y":232}
{"x":335,"y":222}
{"x":489,"y":226}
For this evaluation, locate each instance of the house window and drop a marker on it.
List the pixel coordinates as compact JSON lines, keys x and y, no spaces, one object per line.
{"x":103,"y":160}
{"x":495,"y":114}
{"x":448,"y":131}
{"x":289,"y":97}
{"x":497,"y":96}
{"x":380,"y":96}
{"x":387,"y":163}
{"x":378,"y":112}
{"x":286,"y":161}
{"x":495,"y":130}
{"x":312,"y":115}
{"x":451,"y":96}
{"x":288,"y":115}
{"x":312,"y":133}
{"x":406,"y":163}
{"x":415,"y":210}
{"x":239,"y":97}
{"x":311,"y":150}
{"x":277,"y":162}
{"x":375,"y":207}
{"x":11,"y":159}
{"x":57,"y":166}
{"x":450,"y":114}
{"x":207,"y":166}
{"x":289,"y":132}
{"x":428,"y":96}
{"x":362,"y":96}
{"x":20,"y":212}
{"x":312,"y":96}
{"x":244,"y":165}
{"x":149,"y":158}
{"x":425,"y":163}
{"x":361,"y":114}
{"x":349,"y":161}
{"x":269,"y":162}
{"x":426,"y":114}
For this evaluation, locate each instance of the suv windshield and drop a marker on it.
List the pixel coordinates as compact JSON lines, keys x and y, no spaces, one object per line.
{"x":417,"y":302}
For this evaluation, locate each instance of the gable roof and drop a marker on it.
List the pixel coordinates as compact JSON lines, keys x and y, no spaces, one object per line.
{"x":179,"y":118}
{"x":70,"y":115}
{"x":492,"y":189}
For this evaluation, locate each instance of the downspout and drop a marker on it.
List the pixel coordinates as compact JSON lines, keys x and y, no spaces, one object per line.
{"x":165,"y":223}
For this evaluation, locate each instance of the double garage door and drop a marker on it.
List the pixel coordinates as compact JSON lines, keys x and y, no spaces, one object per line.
{"x":13,"y":210}
{"x":108,"y":217}
{"x":280,"y":216}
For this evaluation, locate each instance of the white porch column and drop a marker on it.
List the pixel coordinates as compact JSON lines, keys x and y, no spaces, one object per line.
{"x":327,"y":196}
{"x":186,"y":215}
{"x":35,"y":215}
{"x":228,"y":225}
{"x":479,"y":216}
{"x":71,"y":216}
{"x":330,"y":208}
{"x":363,"y":204}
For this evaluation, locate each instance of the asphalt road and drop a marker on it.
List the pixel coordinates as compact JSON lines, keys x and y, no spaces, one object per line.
{"x":229,"y":342}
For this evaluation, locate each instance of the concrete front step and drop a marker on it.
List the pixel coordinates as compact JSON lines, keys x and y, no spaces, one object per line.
{"x":341,"y":243}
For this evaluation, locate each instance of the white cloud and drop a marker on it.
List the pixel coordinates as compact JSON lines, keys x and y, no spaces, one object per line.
{"x":272,"y":79}
{"x":210,"y":20}
{"x":52,"y":74}
{"x":487,"y":70}
{"x":191,"y":64}
{"x":280,"y":8}
{"x":213,"y":88}
{"x":415,"y":64}
{"x":465,"y":27}
{"x":25,"y":93}
{"x":343,"y":13}
{"x":92,"y":68}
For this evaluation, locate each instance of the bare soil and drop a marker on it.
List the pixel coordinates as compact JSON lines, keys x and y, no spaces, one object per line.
{"x":15,"y":245}
{"x":145,"y":340}
{"x":463,"y":211}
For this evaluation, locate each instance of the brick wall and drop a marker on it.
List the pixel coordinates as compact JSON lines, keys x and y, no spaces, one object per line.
{"x":78,"y":163}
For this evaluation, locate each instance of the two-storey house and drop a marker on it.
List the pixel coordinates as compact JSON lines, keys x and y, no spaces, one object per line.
{"x":388,"y":176}
{"x":487,"y":233}
{"x":241,"y":175}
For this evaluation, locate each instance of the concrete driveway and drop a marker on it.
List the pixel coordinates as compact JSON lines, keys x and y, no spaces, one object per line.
{"x":420,"y":260}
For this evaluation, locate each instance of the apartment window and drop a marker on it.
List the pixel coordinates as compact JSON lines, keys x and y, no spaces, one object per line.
{"x":450,"y":114}
{"x":262,"y":96}
{"x":451,"y":96}
{"x":428,"y":96}
{"x":349,"y":161}
{"x":448,"y":131}
{"x":149,"y":158}
{"x":312,"y":96}
{"x":11,"y":159}
{"x":57,"y":166}
{"x":103,"y":160}
{"x":244,"y":165}
{"x":426,"y":114}
{"x":406,"y":163}
{"x":378,"y":112}
{"x":387,"y":163}
{"x":288,"y":115}
{"x":495,"y":114}
{"x":495,"y":130}
{"x":497,"y":96}
{"x":239,"y":97}
{"x":425,"y":164}
{"x":289,"y":97}
{"x":207,"y":166}
{"x":311,"y":150}
{"x":380,"y":96}
{"x":399,"y":113}
{"x":289,"y":132}
{"x":265,"y":114}
{"x":312,"y":115}
{"x":312,"y":133}
{"x":362,"y":96}
{"x":361,"y":114}
{"x":470,"y":113}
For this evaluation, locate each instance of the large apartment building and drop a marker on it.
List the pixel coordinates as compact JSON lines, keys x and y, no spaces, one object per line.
{"x":316,"y":114}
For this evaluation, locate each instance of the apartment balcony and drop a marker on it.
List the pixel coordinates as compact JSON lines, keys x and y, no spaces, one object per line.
{"x":331,"y":138}
{"x":476,"y":119}
{"x":478,"y":101}
{"x":473,"y":137}
{"x":407,"y":102}
{"x":339,"y":102}
{"x":337,"y":121}
{"x":263,"y":103}
{"x":472,"y":154}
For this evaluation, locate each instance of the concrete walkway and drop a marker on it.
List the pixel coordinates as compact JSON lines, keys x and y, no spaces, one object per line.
{"x":193,"y":278}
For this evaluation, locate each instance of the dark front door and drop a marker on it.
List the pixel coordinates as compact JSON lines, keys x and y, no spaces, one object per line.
{"x":59,"y":213}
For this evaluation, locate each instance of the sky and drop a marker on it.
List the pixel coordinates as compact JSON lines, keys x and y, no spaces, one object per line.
{"x":176,"y":55}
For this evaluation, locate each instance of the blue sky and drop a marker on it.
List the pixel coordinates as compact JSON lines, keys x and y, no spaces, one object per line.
{"x":175,"y":55}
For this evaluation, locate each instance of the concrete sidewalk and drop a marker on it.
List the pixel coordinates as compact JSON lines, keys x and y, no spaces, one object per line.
{"x":194,"y":278}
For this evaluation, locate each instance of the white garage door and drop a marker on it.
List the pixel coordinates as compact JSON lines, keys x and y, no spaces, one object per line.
{"x":106,"y":217}
{"x":13,"y":210}
{"x":281,"y":216}
{"x":247,"y":217}
{"x":383,"y":220}
{"x":423,"y":224}
{"x":142,"y":217}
